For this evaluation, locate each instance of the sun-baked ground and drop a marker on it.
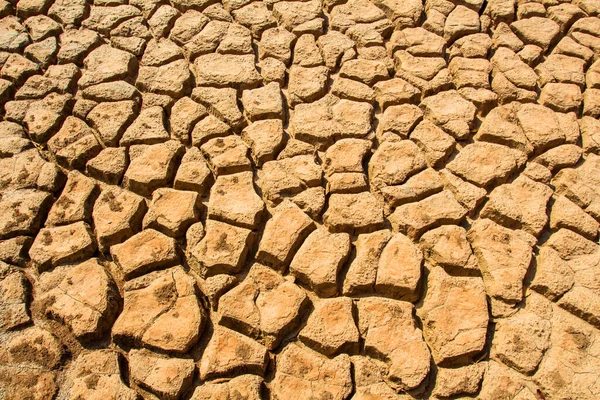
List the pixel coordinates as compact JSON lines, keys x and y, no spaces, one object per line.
{"x":323,"y":199}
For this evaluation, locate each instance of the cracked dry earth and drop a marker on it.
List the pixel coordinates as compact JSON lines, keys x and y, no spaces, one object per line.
{"x":322,"y":199}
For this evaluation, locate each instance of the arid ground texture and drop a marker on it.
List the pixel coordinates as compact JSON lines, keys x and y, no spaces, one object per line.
{"x":299,"y":200}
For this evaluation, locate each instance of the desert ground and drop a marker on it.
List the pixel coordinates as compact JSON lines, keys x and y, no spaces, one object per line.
{"x":317,"y":199}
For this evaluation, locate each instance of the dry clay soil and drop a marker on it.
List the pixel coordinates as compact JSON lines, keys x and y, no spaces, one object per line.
{"x":322,"y":199}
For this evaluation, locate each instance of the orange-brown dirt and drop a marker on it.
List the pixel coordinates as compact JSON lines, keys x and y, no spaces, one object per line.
{"x":312,"y":199}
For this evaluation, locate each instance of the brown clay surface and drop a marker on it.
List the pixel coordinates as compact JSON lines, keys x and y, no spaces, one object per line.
{"x":319,"y":199}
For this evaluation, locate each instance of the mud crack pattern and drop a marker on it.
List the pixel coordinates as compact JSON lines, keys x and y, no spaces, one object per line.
{"x":322,"y":199}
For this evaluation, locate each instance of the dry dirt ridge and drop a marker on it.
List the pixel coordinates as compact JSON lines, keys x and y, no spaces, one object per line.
{"x":322,"y":199}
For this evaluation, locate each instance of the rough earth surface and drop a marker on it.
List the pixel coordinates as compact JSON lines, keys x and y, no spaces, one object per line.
{"x":299,"y":199}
